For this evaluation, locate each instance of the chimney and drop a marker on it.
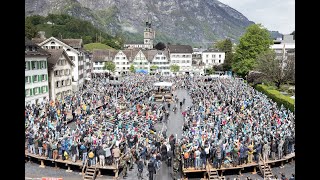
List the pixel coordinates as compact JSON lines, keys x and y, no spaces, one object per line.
{"x":42,"y":34}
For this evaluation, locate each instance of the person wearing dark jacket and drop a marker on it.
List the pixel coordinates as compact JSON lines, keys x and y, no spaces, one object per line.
{"x":74,"y":152}
{"x":101,"y":154}
{"x":163,"y":152}
{"x":170,"y":156}
{"x":203,"y":158}
{"x":151,"y":170}
{"x":273,"y":150}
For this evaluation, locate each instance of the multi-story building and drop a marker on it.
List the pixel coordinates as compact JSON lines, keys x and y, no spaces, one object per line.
{"x":283,"y":46}
{"x":212,"y":57}
{"x":161,"y":60}
{"x":140,"y":61}
{"x":181,"y":55}
{"x":87,"y":64}
{"x":60,"y":74}
{"x":99,"y":57}
{"x":121,"y":60}
{"x":36,"y":74}
{"x":73,"y":48}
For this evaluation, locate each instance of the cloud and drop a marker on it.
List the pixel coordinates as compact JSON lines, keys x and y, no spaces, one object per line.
{"x":275,"y":15}
{"x":129,"y":29}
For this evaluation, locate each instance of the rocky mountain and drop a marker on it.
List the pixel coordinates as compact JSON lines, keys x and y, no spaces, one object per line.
{"x":196,"y":22}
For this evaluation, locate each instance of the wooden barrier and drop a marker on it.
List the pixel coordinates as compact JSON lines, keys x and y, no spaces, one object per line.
{"x":240,"y":168}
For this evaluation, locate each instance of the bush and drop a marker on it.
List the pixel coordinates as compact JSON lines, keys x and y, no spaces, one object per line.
{"x":276,"y":96}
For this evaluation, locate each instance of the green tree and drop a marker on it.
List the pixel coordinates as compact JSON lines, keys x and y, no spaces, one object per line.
{"x":209,"y":71}
{"x":30,"y":30}
{"x":154,"y":67}
{"x":175,"y":68}
{"x":225,"y":46}
{"x":256,"y":40}
{"x":278,"y":70}
{"x":132,"y":68}
{"x":110,"y":66}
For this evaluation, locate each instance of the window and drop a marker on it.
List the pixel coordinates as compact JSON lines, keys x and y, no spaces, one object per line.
{"x":219,"y":61}
{"x":67,"y":72}
{"x":123,"y":57}
{"x":123,"y":63}
{"x":140,"y":63}
{"x":28,"y":92}
{"x":28,"y":79}
{"x":173,"y":61}
{"x":34,"y":65}
{"x":123,"y":68}
{"x":36,"y":90}
{"x":183,"y":61}
{"x":27,"y":65}
{"x":61,"y":72}
{"x":183,"y":56}
{"x":117,"y":57}
{"x":145,"y":63}
{"x":207,"y":61}
{"x":117,"y":63}
{"x":163,"y":58}
{"x":43,"y":64}
{"x":188,"y":61}
{"x":35,"y":78}
{"x":44,"y":89}
{"x":67,"y":49}
{"x":56,"y":73}
{"x":52,"y":47}
{"x":127,"y":67}
{"x":214,"y":56}
{"x":62,"y":83}
{"x":177,"y":61}
{"x":96,"y":63}
{"x":53,"y":42}
{"x":219,"y":55}
{"x":43,"y":77}
{"x":57,"y":84}
{"x":207,"y":55}
{"x":157,"y":57}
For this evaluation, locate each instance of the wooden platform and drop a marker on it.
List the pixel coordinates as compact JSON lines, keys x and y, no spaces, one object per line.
{"x":68,"y":162}
{"x":254,"y":164}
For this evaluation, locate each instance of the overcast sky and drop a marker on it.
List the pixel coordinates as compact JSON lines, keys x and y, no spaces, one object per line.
{"x":275,"y":15}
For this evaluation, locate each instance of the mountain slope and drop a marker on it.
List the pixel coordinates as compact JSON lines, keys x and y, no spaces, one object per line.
{"x":196,"y":22}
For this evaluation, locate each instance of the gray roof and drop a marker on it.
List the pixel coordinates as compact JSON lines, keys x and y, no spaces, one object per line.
{"x":99,"y":55}
{"x":55,"y":55}
{"x":212,"y":50}
{"x":35,"y":49}
{"x":38,"y":40}
{"x":74,"y":43}
{"x":180,"y":48}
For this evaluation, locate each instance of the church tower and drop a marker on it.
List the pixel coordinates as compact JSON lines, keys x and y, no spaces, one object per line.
{"x":149,"y":34}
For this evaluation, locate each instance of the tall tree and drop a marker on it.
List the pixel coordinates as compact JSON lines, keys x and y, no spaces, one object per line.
{"x":278,"y":69}
{"x":110,"y":66}
{"x":225,"y":46}
{"x":256,"y":40}
{"x":30,"y":30}
{"x":160,"y":46}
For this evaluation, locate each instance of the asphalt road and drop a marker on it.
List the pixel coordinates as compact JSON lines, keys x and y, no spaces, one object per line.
{"x":174,"y":126}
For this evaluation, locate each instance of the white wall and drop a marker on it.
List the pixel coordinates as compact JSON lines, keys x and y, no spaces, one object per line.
{"x":54,"y":90}
{"x":162,"y":61}
{"x":184,"y":60}
{"x":121,"y":61}
{"x":140,"y":58}
{"x":40,"y":97}
{"x":213,"y":58}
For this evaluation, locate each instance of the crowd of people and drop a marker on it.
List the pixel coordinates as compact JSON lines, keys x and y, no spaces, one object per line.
{"x":228,"y":124}
{"x":231,"y":124}
{"x":102,"y":122}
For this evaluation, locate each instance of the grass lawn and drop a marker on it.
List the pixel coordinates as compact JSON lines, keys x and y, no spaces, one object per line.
{"x":92,"y":46}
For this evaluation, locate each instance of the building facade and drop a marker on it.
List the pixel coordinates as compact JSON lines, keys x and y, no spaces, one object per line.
{"x":121,"y":61}
{"x":36,"y":74}
{"x":60,"y":74}
{"x":75,"y":54}
{"x":212,"y":57}
{"x":161,"y":60}
{"x":181,"y":55}
{"x":140,"y":62}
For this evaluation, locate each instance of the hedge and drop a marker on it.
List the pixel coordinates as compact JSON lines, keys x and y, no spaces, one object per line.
{"x":276,"y":96}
